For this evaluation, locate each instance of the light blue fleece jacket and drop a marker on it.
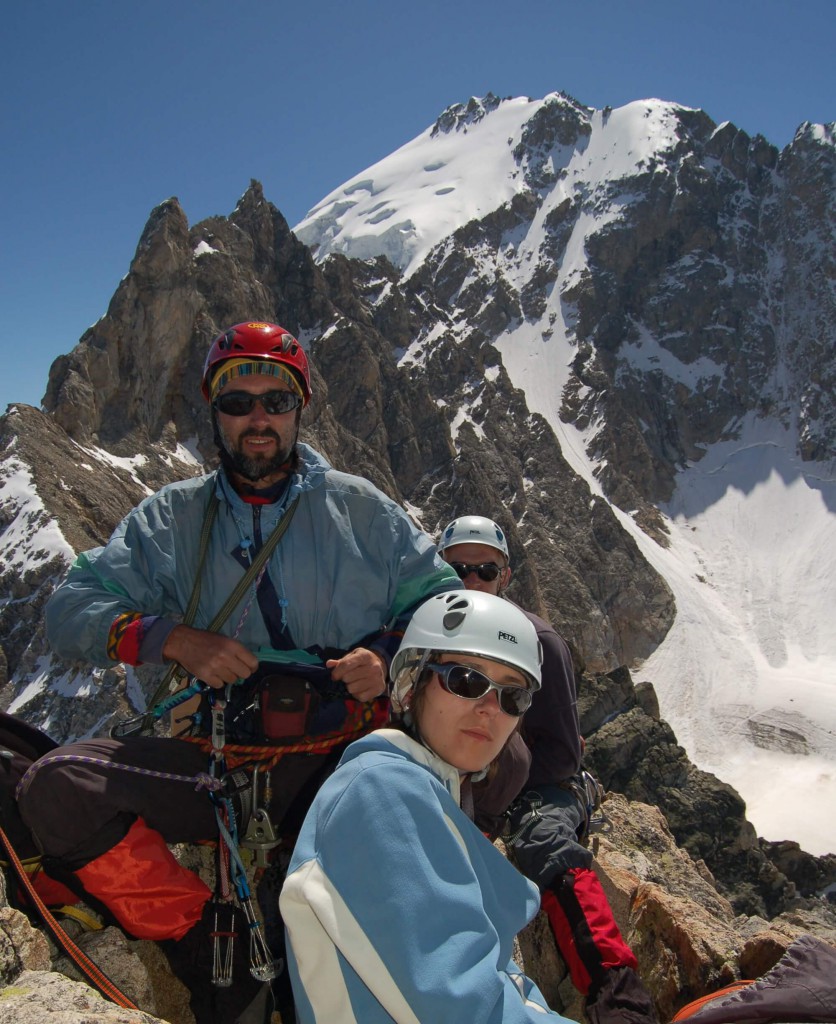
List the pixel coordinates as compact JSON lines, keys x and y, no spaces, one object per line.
{"x":351,"y":564}
{"x":397,"y":907}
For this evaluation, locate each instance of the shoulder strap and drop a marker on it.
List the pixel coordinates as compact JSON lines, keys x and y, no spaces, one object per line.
{"x":174,"y":673}
{"x":205,"y":534}
{"x":252,"y":572}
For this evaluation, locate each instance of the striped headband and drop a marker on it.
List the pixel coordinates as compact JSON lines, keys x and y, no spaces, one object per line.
{"x":233,"y":368}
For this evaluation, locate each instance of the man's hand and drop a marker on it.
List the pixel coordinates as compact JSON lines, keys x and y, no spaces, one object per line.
{"x":362,"y":671}
{"x":214,"y":659}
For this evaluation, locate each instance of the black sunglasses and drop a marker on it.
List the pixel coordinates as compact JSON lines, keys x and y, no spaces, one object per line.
{"x":241,"y":403}
{"x":487,"y":571}
{"x":466,"y":682}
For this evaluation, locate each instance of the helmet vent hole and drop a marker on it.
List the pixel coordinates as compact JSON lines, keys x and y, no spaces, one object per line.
{"x":453,"y":619}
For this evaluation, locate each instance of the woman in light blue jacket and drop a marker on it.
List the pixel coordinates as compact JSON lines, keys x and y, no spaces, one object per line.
{"x":397,"y":907}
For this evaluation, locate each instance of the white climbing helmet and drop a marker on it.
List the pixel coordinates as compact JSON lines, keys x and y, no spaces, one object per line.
{"x":473,"y":530}
{"x":466,"y":622}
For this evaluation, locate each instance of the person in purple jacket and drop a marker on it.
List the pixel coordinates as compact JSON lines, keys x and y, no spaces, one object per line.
{"x":546,"y":824}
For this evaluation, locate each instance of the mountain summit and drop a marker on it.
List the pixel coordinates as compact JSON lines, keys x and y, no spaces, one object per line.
{"x":661,"y":290}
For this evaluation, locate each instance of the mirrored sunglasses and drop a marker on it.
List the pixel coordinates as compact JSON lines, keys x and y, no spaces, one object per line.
{"x":487,"y":571}
{"x":242,"y":403}
{"x":464,"y":681}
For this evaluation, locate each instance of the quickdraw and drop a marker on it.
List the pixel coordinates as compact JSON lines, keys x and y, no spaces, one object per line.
{"x":231,"y":869}
{"x":138,"y":724}
{"x":590,"y":793}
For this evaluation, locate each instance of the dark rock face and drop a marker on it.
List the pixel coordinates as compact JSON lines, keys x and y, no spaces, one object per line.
{"x":635,"y":753}
{"x":810,"y":875}
{"x":460,"y":115}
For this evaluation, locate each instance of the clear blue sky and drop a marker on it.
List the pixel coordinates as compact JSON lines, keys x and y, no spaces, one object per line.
{"x":111,"y":106}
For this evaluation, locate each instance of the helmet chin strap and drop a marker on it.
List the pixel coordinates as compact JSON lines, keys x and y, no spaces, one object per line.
{"x":415,"y":733}
{"x":504,"y":581}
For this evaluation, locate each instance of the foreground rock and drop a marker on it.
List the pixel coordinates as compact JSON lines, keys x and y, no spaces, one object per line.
{"x":700,"y":899}
{"x":40,"y":995}
{"x":38,"y":982}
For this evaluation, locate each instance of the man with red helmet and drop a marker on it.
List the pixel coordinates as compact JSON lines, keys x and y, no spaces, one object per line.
{"x":256,"y":350}
{"x":294,"y":672}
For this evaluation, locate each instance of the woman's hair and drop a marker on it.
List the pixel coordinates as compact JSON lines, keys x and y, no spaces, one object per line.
{"x":417,"y":699}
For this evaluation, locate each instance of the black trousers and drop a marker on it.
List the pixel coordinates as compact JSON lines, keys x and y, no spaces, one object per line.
{"x":79,"y":800}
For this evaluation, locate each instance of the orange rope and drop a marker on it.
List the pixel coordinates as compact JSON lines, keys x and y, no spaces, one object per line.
{"x":372,"y":716}
{"x":85,"y":964}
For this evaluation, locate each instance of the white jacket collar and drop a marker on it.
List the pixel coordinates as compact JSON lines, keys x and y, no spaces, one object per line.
{"x":447,"y":774}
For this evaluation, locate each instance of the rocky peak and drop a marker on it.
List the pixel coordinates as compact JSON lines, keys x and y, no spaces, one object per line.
{"x":559,"y":126}
{"x":116,"y":389}
{"x":457,"y":117}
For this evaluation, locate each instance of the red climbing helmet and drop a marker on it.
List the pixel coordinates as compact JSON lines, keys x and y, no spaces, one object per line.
{"x":261,"y":342}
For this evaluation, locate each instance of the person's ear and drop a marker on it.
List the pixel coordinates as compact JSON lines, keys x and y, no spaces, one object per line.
{"x":504,"y":578}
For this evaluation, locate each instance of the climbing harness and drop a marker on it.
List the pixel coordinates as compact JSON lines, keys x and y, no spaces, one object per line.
{"x":241,"y":791}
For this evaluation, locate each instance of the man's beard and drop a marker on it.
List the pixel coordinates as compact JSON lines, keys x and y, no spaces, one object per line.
{"x":255,"y":468}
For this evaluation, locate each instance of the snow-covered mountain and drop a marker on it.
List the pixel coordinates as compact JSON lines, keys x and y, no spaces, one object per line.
{"x":671,"y":281}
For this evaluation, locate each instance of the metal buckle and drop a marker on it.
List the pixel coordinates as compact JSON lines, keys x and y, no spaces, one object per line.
{"x":129,"y":727}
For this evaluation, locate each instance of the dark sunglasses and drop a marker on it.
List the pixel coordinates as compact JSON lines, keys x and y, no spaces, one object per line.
{"x":466,"y":682}
{"x":242,"y":403}
{"x":487,"y":571}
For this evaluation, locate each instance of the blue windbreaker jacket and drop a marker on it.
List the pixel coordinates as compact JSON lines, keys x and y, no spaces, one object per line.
{"x":350,"y":564}
{"x":397,"y":907}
